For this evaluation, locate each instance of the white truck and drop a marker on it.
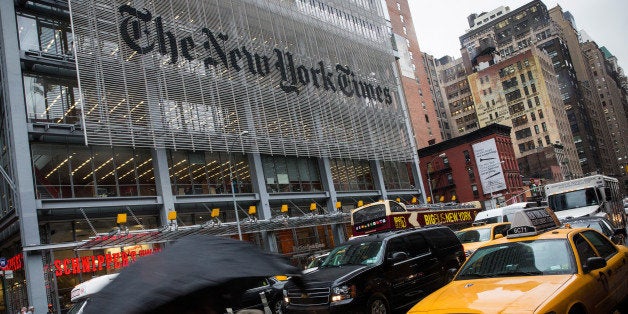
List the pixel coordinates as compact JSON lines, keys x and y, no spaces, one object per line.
{"x":595,"y":195}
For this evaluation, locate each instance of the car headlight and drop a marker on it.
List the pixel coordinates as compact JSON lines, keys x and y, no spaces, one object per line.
{"x":285,"y":296}
{"x":343,"y":292}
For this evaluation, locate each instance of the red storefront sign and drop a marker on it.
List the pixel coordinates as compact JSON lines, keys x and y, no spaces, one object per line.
{"x":86,"y":264}
{"x":93,"y":263}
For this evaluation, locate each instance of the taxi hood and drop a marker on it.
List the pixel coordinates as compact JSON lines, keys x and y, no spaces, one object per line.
{"x":578,"y":212}
{"x":493,"y":295}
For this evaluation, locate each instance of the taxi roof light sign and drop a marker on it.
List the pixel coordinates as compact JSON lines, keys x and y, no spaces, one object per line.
{"x":532,"y":221}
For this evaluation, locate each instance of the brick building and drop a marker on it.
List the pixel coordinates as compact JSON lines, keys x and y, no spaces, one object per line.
{"x":478,"y":166}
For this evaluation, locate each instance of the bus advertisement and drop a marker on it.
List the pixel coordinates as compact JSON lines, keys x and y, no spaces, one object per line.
{"x":391,"y":215}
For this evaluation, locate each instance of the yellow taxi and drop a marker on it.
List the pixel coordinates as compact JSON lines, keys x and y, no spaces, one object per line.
{"x":539,"y":267}
{"x":478,"y":235}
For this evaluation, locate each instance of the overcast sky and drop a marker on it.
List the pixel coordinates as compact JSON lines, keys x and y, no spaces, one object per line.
{"x":440,"y":23}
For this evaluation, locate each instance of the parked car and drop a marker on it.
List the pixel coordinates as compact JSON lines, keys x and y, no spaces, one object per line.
{"x":272,"y":288}
{"x":538,"y":267}
{"x":601,"y":224}
{"x":378,"y":273}
{"x":478,"y":235}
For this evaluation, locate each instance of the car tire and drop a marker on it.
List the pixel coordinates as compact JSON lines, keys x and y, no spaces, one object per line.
{"x":377,"y":305}
{"x":577,"y":309}
{"x":277,"y":307}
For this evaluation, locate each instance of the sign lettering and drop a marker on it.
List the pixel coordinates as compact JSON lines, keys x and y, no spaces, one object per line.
{"x":144,"y":34}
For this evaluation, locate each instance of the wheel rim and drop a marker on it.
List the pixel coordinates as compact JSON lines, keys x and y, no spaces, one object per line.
{"x":378,"y":307}
{"x":278,"y":308}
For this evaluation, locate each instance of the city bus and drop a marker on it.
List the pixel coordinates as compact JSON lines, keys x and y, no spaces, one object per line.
{"x":388,"y":215}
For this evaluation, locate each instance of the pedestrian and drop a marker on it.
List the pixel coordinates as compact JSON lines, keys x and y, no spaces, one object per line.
{"x":23,"y":310}
{"x":31,"y":310}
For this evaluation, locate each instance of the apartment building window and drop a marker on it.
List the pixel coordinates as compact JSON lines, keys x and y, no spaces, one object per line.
{"x":474,"y":189}
{"x":539,"y":142}
{"x":521,"y":134}
{"x":405,"y":30}
{"x":467,"y":156}
{"x":526,"y":91}
{"x":540,"y":114}
{"x":523,"y":78}
{"x":547,"y":140}
{"x":533,"y":87}
{"x":536,"y":129}
{"x":427,"y":119}
{"x":471,"y":173}
{"x":537,"y":101}
{"x":401,"y":18}
{"x":532,"y":116}
{"x":398,"y":6}
{"x":516,"y":108}
{"x":514,"y":95}
{"x":544,"y":127}
{"x":520,"y":120}
{"x":530,"y":77}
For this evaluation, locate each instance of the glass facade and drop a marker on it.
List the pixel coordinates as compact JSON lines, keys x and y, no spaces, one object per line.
{"x":291,"y":174}
{"x":349,"y":174}
{"x":208,"y":173}
{"x":75,"y":171}
{"x":144,"y":133}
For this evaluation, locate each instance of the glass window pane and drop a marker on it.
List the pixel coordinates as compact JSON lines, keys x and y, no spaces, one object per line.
{"x":27,"y":30}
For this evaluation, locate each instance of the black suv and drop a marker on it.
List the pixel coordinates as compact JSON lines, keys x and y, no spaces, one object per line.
{"x":378,"y":273}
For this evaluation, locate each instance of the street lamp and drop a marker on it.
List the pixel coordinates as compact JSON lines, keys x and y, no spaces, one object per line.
{"x":429,"y":180}
{"x":235,"y":205}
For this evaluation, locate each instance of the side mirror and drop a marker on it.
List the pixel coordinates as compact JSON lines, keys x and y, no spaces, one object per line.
{"x":594,"y":263}
{"x":451,"y":273}
{"x":609,"y":196}
{"x":398,"y":256}
{"x":619,"y":231}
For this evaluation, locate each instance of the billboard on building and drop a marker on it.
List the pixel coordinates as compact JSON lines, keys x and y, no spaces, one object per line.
{"x":489,"y":166}
{"x":305,"y":78}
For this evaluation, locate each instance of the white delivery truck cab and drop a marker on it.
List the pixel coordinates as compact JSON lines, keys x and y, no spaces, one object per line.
{"x":83,"y":291}
{"x":595,"y":195}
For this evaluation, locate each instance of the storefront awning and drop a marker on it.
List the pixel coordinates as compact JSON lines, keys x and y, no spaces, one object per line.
{"x":170,"y":233}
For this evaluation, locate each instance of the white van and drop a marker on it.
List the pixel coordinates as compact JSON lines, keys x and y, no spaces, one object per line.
{"x":83,"y":291}
{"x":504,"y":214}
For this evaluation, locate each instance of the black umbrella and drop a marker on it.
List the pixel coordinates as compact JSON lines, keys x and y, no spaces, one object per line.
{"x":195,"y":273}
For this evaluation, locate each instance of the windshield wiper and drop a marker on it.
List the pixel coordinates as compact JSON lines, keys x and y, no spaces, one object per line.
{"x":520,"y":273}
{"x":474,"y":275}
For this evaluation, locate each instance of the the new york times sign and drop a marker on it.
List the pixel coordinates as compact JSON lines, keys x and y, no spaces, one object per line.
{"x":191,"y":75}
{"x":145,"y":33}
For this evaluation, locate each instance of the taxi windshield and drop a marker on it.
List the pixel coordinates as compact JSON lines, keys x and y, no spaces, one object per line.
{"x":524,"y":258}
{"x":363,"y":253}
{"x":475,"y":235}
